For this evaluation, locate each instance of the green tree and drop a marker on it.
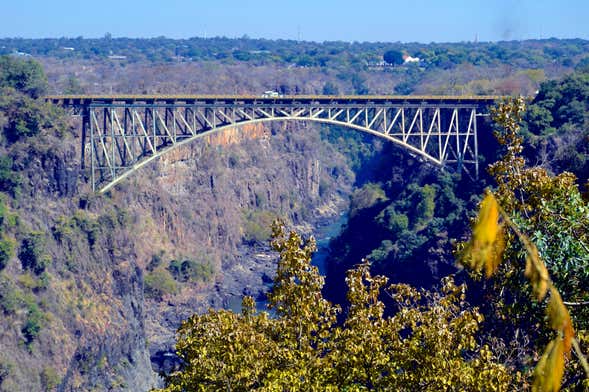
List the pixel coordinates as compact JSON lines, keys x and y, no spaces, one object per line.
{"x":33,"y":324}
{"x":49,"y":378}
{"x":31,"y":252}
{"x":25,"y":116}
{"x":359,"y":84}
{"x":24,"y":75}
{"x":556,"y":125}
{"x":426,"y":206}
{"x":548,"y":209}
{"x":368,"y":196}
{"x":539,"y":119}
{"x":393,"y":56}
{"x":6,"y":251}
{"x":9,"y":180}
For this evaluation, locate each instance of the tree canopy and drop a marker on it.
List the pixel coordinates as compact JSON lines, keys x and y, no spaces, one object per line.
{"x":394,"y":57}
{"x":429,"y":344}
{"x":22,"y":113}
{"x":557,"y":126}
{"x":24,"y":75}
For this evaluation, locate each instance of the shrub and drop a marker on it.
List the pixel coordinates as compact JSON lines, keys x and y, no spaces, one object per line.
{"x":10,"y":296}
{"x":158,"y":283}
{"x":63,"y":229}
{"x":6,"y":251}
{"x":156,"y":261}
{"x":49,"y":378}
{"x":33,"y":324}
{"x":88,"y":225}
{"x":392,"y":220}
{"x":191,"y":270}
{"x":5,"y":369}
{"x":34,"y":283}
{"x":31,"y":252}
{"x":382,"y":252}
{"x":28,"y":281}
{"x":8,"y":220}
{"x":9,"y":179}
{"x":256,"y":227}
{"x":367,"y":196}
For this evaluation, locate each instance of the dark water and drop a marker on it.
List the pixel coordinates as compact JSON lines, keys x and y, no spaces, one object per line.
{"x":323,"y":235}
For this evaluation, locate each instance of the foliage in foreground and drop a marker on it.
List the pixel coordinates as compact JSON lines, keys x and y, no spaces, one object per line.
{"x":543,"y":220}
{"x":429,"y":344}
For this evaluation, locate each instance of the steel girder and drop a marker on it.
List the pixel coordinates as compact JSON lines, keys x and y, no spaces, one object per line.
{"x":125,"y":137}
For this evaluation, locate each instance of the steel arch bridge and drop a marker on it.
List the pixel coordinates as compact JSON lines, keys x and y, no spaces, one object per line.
{"x":123,"y":133}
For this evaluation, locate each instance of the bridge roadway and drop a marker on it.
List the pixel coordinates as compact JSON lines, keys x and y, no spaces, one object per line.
{"x":128,"y":99}
{"x":122,"y":133}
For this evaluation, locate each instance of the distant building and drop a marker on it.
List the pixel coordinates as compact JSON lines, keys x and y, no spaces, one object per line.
{"x":117,"y":57}
{"x":408,"y":59}
{"x":68,"y":48}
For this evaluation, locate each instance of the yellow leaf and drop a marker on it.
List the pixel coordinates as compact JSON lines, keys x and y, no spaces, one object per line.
{"x":555,"y":366}
{"x":487,"y":244}
{"x":485,"y":229}
{"x":550,"y":368}
{"x":557,"y":312}
{"x":495,"y":253}
{"x":540,"y":371}
{"x":471,"y":257}
{"x":560,"y":319}
{"x":529,"y":267}
{"x":537,"y":273}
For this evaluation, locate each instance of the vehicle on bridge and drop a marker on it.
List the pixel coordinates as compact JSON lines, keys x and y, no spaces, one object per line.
{"x":271,"y":94}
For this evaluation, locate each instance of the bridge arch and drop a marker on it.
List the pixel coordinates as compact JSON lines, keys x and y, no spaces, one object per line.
{"x":124,"y":134}
{"x":160,"y":152}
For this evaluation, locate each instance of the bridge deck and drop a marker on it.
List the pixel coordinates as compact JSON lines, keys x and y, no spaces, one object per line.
{"x":85,"y":100}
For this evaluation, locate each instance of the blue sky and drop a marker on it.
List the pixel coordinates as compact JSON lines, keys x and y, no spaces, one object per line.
{"x":361,"y":20}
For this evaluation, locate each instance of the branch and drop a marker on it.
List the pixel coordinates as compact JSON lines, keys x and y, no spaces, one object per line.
{"x":580,"y":355}
{"x":582,"y":303}
{"x":584,"y":246}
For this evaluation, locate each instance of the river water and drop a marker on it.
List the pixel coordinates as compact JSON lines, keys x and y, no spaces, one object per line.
{"x":323,"y":236}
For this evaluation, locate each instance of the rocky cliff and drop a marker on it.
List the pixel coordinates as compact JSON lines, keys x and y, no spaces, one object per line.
{"x":96,"y":285}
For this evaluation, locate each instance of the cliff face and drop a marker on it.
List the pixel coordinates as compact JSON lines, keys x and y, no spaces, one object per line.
{"x":72,"y":292}
{"x":116,"y":274}
{"x":211,"y":204}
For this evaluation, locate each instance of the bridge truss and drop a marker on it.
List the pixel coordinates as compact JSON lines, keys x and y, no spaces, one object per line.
{"x":124,"y":136}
